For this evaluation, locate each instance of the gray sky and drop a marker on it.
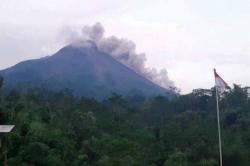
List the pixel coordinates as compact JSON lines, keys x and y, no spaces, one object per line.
{"x":187,"y":37}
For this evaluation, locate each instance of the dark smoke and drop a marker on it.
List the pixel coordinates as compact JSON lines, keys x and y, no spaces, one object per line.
{"x":121,"y":49}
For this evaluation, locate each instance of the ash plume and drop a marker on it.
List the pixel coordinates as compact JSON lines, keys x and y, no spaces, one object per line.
{"x":123,"y":50}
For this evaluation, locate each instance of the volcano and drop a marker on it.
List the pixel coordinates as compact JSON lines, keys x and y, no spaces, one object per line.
{"x":83,"y":69}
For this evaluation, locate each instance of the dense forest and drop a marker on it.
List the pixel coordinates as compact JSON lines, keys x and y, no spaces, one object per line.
{"x":57,"y":129}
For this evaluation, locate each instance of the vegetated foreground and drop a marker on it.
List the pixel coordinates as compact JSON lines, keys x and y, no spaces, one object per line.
{"x":56,"y":129}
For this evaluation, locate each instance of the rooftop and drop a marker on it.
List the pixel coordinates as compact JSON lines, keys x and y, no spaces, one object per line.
{"x":6,"y":128}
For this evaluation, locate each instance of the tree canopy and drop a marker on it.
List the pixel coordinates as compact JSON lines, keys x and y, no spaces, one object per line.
{"x":58,"y":129}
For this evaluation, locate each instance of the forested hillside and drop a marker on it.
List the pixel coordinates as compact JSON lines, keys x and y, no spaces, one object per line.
{"x":57,"y":129}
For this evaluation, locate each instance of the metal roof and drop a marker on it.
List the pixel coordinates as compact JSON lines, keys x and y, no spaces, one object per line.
{"x":6,"y":128}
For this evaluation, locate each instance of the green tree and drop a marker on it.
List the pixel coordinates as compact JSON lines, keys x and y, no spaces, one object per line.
{"x":177,"y":159}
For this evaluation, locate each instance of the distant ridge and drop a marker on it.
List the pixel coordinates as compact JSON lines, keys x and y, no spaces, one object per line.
{"x":83,"y":69}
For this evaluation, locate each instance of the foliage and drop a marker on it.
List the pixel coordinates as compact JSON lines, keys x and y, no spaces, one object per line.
{"x":57,"y":129}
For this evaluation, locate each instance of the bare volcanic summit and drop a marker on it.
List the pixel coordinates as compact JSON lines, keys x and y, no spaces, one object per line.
{"x":83,"y":69}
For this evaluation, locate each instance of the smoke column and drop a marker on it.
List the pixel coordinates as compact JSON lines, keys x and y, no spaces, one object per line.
{"x":123,"y":50}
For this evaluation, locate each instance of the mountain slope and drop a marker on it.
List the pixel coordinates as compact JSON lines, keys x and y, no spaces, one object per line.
{"x":85,"y":70}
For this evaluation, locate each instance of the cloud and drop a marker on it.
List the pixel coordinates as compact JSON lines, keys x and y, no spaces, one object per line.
{"x":121,"y":49}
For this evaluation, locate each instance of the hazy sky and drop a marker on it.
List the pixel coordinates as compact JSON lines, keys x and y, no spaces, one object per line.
{"x":187,"y":37}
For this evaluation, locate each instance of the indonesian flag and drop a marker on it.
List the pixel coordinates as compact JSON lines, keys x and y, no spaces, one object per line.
{"x":220,"y":83}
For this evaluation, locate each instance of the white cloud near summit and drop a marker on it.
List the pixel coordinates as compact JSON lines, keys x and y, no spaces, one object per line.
{"x":121,"y":49}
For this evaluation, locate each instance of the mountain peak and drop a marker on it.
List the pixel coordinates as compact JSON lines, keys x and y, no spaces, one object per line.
{"x":82,"y":68}
{"x":87,"y":47}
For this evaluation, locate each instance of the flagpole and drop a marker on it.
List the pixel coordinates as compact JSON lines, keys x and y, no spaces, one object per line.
{"x":218,"y":120}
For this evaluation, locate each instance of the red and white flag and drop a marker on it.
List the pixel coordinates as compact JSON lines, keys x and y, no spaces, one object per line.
{"x":220,"y":83}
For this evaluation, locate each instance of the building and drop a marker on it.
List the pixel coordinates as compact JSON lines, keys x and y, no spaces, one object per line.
{"x":4,"y":130}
